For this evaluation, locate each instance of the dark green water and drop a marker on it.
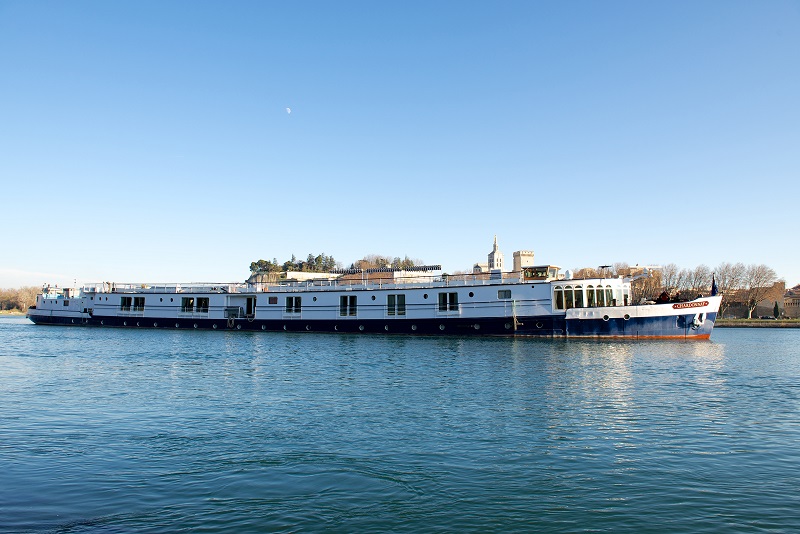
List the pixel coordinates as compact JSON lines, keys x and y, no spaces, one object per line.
{"x":105,"y":430}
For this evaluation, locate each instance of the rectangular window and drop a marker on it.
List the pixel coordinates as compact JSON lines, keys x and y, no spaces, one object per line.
{"x":125,"y":303}
{"x":138,"y":304}
{"x":187,"y":304}
{"x":273,"y":300}
{"x":202,"y":305}
{"x":559,"y":295}
{"x":395,"y":304}
{"x":504,"y":294}
{"x":66,"y":303}
{"x":348,"y":305}
{"x":448,"y":302}
{"x":293,"y":304}
{"x":579,"y":296}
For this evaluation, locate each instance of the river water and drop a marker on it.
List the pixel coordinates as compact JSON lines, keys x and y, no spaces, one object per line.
{"x":110,"y":430}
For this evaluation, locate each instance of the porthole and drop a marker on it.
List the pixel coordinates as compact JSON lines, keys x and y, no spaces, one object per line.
{"x":137,"y":323}
{"x":308,"y":327}
{"x":155,"y":324}
{"x":195,"y":325}
{"x":91,"y":298}
{"x":101,"y":323}
{"x":238,"y":327}
{"x":314,"y":299}
{"x":336,"y":327}
{"x":425,"y":296}
{"x":161,"y":299}
{"x":214,"y":326}
{"x":284,"y":327}
{"x":471,"y":294}
{"x":605,"y":317}
{"x":373,"y":297}
{"x":441,"y":327}
{"x":73,"y":321}
{"x":539,"y":324}
{"x":414,"y":327}
{"x":508,"y":326}
{"x":386,"y":327}
{"x":361,"y":327}
{"x":626,"y":316}
{"x":177,"y":325}
{"x":263,"y":327}
{"x":170,"y":299}
{"x":477,"y":327}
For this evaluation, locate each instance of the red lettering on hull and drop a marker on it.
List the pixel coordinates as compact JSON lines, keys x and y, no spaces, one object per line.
{"x":684,"y":305}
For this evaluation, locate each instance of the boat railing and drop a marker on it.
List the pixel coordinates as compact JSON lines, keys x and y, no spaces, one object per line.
{"x":198,"y":287}
{"x":382,"y":283}
{"x":460,"y":280}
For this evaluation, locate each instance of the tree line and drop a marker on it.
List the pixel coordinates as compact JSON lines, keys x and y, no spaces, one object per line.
{"x":313,"y":264}
{"x":741,"y":284}
{"x":323,"y":264}
{"x":18,"y":299}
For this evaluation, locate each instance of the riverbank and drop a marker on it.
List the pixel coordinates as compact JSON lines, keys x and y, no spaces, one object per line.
{"x":757,"y":323}
{"x":11,"y":313}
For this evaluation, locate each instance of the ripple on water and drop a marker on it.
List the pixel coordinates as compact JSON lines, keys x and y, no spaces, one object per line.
{"x":152,"y":431}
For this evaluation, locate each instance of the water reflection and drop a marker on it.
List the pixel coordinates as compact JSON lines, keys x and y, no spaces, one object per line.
{"x":262,"y":431}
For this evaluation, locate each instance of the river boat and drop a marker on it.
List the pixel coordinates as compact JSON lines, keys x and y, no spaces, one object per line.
{"x":537,"y":301}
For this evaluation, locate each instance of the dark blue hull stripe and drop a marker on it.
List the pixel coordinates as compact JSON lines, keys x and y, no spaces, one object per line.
{"x":540,"y":326}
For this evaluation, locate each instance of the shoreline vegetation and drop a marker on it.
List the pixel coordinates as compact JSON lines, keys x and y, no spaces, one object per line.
{"x":17,"y":301}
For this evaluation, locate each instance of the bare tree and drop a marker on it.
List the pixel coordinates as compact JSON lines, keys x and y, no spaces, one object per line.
{"x":729,"y":278}
{"x":647,"y":287}
{"x":758,"y":281}
{"x":699,"y":279}
{"x":585,"y":272}
{"x":620,"y":268}
{"x":683,"y":281}
{"x":670,"y":275}
{"x":18,"y":299}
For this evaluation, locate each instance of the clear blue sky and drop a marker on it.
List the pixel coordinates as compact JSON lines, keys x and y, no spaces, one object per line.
{"x":150,"y":141}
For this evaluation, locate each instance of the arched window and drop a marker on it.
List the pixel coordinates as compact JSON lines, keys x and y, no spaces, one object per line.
{"x":609,"y":296}
{"x":590,"y":296}
{"x":579,"y":296}
{"x":568,"y":297}
{"x":601,"y":296}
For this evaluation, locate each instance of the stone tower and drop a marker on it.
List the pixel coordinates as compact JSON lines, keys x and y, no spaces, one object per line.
{"x":523,"y":258}
{"x":495,"y":258}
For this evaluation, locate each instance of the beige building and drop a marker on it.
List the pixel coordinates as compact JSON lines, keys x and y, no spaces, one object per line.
{"x":495,"y":261}
{"x":523,"y":258}
{"x":791,"y":302}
